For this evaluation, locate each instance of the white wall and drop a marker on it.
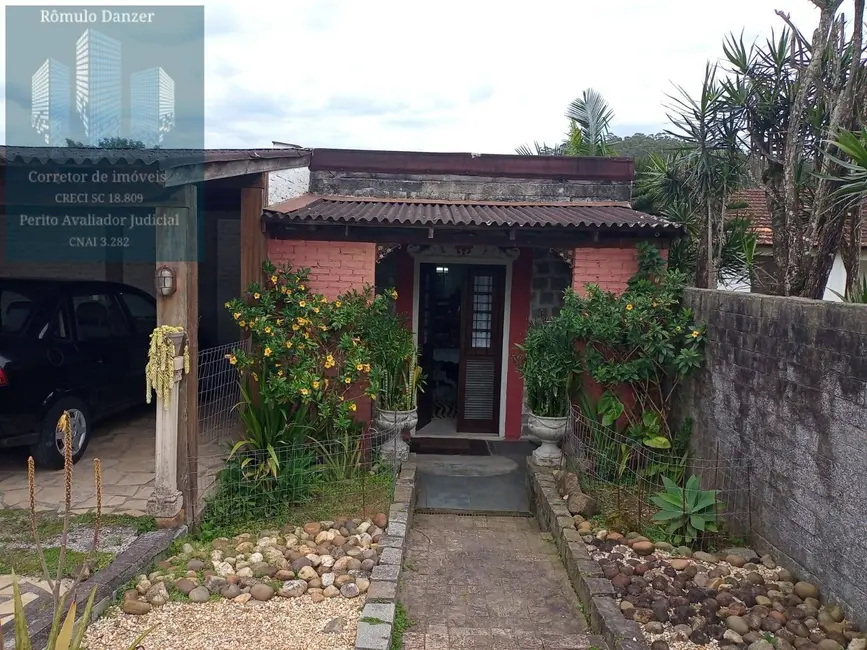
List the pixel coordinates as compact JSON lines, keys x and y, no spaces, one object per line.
{"x":287,"y":184}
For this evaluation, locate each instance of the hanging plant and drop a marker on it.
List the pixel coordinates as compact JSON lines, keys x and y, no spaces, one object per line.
{"x":160,"y":369}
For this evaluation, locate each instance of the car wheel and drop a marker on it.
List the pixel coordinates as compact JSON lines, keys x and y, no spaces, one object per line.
{"x":49,"y":451}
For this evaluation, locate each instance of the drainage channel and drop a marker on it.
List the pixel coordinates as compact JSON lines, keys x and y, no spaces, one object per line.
{"x":471,"y":513}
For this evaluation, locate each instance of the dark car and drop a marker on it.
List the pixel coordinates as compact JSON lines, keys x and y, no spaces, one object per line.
{"x":69,"y":345}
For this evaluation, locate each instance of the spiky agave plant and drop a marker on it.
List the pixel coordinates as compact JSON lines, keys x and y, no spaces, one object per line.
{"x":64,"y":634}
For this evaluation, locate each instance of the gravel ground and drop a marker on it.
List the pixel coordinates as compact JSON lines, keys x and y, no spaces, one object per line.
{"x":112,"y":539}
{"x":279,"y":624}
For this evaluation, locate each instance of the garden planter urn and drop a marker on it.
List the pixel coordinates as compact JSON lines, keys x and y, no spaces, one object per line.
{"x":550,"y":432}
{"x":393,"y":424}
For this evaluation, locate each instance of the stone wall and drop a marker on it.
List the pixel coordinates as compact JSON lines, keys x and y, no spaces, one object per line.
{"x":784,"y":390}
{"x":551,"y":277}
{"x":463,"y":188}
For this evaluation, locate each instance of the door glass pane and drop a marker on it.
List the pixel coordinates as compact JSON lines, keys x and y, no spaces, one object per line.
{"x":483,"y":306}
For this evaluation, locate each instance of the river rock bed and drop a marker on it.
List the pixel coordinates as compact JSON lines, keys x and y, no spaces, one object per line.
{"x":733,"y":599}
{"x":320,"y":560}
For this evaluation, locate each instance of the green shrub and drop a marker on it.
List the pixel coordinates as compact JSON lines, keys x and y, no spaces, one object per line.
{"x":550,"y":366}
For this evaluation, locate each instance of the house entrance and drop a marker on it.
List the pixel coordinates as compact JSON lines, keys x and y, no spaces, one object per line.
{"x":460,"y":334}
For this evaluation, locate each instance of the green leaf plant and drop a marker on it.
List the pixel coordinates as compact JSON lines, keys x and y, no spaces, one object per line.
{"x":686,"y":512}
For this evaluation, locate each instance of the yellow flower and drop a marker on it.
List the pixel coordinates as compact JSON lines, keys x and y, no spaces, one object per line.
{"x":338,"y":304}
{"x":288,"y":292}
{"x":279,"y":321}
{"x":232,"y":359}
{"x":316,"y":310}
{"x":326,"y":382}
{"x":359,"y":367}
{"x":295,"y":328}
{"x":324,"y":299}
{"x":267,"y":330}
{"x":279,"y":373}
{"x":236,"y":315}
{"x":288,"y":344}
{"x":283,"y":290}
{"x":306,"y":335}
{"x":341,"y":398}
{"x":302,"y":304}
{"x":274,"y":279}
{"x":255,"y":377}
{"x":305,"y":392}
{"x":347,"y":381}
{"x":242,"y":323}
{"x":227,"y":305}
{"x":366,"y":367}
{"x":653,"y":304}
{"x":300,"y":320}
{"x":394,"y":294}
{"x":694,"y":333}
{"x":256,"y":296}
{"x":301,"y":286}
{"x":352,"y":406}
{"x":629,"y":307}
{"x":267,"y":352}
{"x":315,"y":385}
{"x":323,"y":327}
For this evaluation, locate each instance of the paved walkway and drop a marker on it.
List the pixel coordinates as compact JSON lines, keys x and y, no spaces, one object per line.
{"x":125,"y":447}
{"x":488,"y":583}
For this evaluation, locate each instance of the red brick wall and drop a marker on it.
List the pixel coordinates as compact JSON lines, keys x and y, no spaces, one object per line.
{"x":335,"y":267}
{"x":609,"y":267}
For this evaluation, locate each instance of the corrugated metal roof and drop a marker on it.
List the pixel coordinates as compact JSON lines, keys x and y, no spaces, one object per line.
{"x":162,"y":158}
{"x":311,"y":209}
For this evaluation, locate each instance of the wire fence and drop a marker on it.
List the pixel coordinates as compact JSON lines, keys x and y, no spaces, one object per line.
{"x":629,"y":481}
{"x":219,"y":393}
{"x":352,"y":475}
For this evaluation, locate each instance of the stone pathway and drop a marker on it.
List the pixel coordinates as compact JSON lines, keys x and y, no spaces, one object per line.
{"x":31,"y":589}
{"x":125,"y":447}
{"x":488,"y":583}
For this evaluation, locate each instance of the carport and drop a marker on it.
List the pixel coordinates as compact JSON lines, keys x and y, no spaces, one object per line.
{"x":209,"y":201}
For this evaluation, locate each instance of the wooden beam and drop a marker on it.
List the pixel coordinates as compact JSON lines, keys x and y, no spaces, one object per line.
{"x":177,"y":248}
{"x":253,"y":238}
{"x":211,"y":171}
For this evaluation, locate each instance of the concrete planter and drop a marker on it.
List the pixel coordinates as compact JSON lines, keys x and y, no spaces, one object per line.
{"x":550,"y":432}
{"x":394,"y":423}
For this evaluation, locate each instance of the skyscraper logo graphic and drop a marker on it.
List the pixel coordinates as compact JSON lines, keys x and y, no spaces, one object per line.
{"x":98,"y":89}
{"x":50,"y":110}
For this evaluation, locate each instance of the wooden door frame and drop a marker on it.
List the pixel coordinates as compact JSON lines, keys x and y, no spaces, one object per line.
{"x":485,"y":257}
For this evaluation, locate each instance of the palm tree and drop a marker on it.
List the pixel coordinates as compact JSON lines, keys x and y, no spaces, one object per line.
{"x":589,"y":129}
{"x":589,"y":125}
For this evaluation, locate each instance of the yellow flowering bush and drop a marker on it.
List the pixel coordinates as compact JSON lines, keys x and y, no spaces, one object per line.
{"x":306,"y":349}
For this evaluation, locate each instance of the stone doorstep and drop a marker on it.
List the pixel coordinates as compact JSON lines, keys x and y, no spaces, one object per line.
{"x":143,"y":552}
{"x":594,"y":591}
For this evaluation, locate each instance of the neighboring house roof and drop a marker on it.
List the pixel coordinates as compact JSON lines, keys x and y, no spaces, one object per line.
{"x":760,"y":218}
{"x":430,"y":212}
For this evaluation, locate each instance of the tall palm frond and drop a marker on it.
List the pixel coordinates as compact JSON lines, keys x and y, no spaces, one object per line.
{"x":590,"y":125}
{"x":540,"y":149}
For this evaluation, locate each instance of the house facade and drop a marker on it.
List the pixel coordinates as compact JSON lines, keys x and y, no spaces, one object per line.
{"x":755,"y":208}
{"x":475,"y":245}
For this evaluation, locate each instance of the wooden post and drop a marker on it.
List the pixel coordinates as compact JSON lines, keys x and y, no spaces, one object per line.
{"x":253,"y":239}
{"x":177,"y":248}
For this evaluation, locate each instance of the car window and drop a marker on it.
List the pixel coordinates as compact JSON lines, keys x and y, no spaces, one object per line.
{"x":98,"y":316}
{"x":15,"y":310}
{"x":57,"y":328}
{"x":143,"y":312}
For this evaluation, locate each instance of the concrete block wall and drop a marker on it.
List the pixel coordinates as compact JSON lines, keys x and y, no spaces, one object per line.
{"x":551,"y":277}
{"x":335,"y":267}
{"x":783,"y":392}
{"x":463,"y":188}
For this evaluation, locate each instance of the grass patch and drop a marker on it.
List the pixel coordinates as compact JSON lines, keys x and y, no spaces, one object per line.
{"x":402,"y":623}
{"x":26,"y":562}
{"x":15,"y":525}
{"x":363,"y":496}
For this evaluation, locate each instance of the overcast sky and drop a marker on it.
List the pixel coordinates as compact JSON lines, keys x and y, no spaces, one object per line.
{"x":454,"y":75}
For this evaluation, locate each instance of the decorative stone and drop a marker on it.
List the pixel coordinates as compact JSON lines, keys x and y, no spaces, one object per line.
{"x":331,"y":592}
{"x":292,"y":589}
{"x":806,"y":590}
{"x":261,"y":592}
{"x":349,"y":590}
{"x":136,"y":607}
{"x":200,"y":595}
{"x":185,"y":586}
{"x":643,"y":548}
